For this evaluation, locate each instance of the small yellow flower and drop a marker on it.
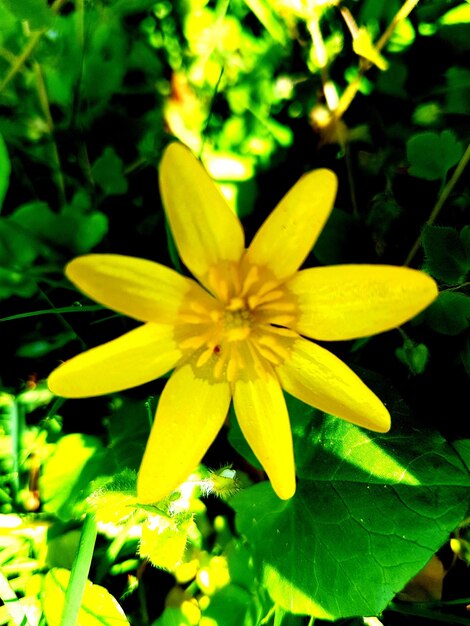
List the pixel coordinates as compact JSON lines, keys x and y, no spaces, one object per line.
{"x":239,"y":332}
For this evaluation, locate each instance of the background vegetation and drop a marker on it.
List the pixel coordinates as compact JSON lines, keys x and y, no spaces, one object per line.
{"x":90,"y":93}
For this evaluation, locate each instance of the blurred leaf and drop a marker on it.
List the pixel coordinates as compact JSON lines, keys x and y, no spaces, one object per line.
{"x":228,"y":606}
{"x":77,"y":232}
{"x":449,"y":314}
{"x":264,"y":12}
{"x":431,"y":155}
{"x":457,"y":90}
{"x":361,"y":514}
{"x":108,"y":173}
{"x":447,"y":254}
{"x":36,"y":12}
{"x":457,"y":15}
{"x":104,"y":63}
{"x":364,"y":47}
{"x":173,"y":616}
{"x":66,"y":479}
{"x":413,"y":355}
{"x":129,"y":428}
{"x":5,"y":169}
{"x":99,"y":607}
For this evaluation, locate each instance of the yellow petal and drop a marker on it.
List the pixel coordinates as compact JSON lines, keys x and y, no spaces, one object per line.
{"x":142,"y":289}
{"x":137,"y":357}
{"x":190,"y":413}
{"x":319,"y":378}
{"x":351,"y":301}
{"x":205,"y":229}
{"x":288,"y":234}
{"x":264,"y":421}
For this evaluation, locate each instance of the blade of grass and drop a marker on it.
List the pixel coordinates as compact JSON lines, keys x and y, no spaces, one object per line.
{"x":64,"y":309}
{"x":12,"y":603}
{"x":79,"y":573}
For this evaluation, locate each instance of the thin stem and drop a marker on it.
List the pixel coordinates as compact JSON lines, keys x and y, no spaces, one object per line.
{"x":44,"y":102}
{"x":64,"y":309}
{"x":79,"y":573}
{"x":351,"y":90}
{"x":448,"y":188}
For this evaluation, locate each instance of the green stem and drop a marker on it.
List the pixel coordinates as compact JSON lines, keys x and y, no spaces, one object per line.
{"x":64,"y":309}
{"x":448,"y":188}
{"x":79,"y":573}
{"x":12,"y":604}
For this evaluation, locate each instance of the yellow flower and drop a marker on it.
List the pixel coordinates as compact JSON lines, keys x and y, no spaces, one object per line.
{"x":239,"y":332}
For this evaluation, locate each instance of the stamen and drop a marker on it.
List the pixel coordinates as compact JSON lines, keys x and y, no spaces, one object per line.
{"x":238,"y":333}
{"x":269,"y":297}
{"x":235,"y":304}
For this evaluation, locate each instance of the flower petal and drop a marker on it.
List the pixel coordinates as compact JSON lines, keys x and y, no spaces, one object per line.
{"x":319,"y":378}
{"x":190,"y":413}
{"x":142,"y":289}
{"x":264,"y":421}
{"x":351,"y":301}
{"x":288,"y":234}
{"x":139,"y":356}
{"x":205,"y":229}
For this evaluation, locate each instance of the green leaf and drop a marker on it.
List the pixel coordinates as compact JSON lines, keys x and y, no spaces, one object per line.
{"x":99,"y":607}
{"x":228,"y":606}
{"x":413,"y":355}
{"x":369,"y":512}
{"x":457,"y":90}
{"x":108,"y":173}
{"x":129,"y":428}
{"x":5,"y":169}
{"x":449,"y":314}
{"x":66,"y":479}
{"x":431,"y":155}
{"x":36,"y":12}
{"x":447,"y":254}
{"x":72,"y":229}
{"x":173,"y":616}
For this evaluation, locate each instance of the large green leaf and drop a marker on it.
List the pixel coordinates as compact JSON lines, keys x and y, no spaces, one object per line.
{"x":99,"y":607}
{"x":369,"y":512}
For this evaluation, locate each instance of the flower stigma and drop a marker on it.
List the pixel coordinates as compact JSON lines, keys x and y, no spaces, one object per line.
{"x":229,"y":334}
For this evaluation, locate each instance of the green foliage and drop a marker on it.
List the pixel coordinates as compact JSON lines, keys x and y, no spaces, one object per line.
{"x":431,"y":155}
{"x":447,"y":253}
{"x":362,"y":503}
{"x":449,"y":314}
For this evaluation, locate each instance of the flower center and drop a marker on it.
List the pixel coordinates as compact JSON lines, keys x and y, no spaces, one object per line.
{"x":242,"y":330}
